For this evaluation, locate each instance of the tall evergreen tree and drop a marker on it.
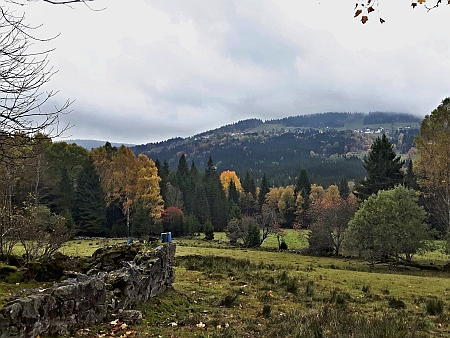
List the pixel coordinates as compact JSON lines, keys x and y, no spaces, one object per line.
{"x":183,"y":182}
{"x":410,"y":177}
{"x":217,"y":198}
{"x":383,"y":168}
{"x":344,"y":190}
{"x":89,"y":211}
{"x":233,"y":195}
{"x":303,"y":188}
{"x":201,"y":210}
{"x":248,"y":184}
{"x":263,"y":190}
{"x":303,"y":184}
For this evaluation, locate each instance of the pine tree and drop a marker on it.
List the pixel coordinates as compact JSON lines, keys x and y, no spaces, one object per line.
{"x":303,"y":188}
{"x":263,"y":190}
{"x":303,"y":184}
{"x":89,"y":211}
{"x":246,"y":182}
{"x":410,"y":177}
{"x":344,"y":190}
{"x":233,"y":195}
{"x":183,"y":182}
{"x":216,"y":196}
{"x":249,"y":184}
{"x":201,"y":210}
{"x":383,"y":168}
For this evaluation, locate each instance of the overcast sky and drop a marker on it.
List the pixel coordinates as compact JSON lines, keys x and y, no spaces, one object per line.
{"x":144,"y":71}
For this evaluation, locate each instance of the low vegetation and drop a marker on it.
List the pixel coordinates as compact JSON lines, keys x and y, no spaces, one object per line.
{"x":258,"y":293}
{"x":224,"y":291}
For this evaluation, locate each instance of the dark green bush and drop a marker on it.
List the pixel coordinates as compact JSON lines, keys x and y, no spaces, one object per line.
{"x":396,"y":303}
{"x":434,"y":306}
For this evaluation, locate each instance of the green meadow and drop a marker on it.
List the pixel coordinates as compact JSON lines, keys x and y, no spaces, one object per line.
{"x":224,"y":291}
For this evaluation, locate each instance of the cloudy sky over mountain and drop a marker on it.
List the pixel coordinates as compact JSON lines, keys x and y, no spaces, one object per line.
{"x":147,"y":70}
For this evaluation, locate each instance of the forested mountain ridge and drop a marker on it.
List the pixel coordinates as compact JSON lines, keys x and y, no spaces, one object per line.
{"x":328,"y":145}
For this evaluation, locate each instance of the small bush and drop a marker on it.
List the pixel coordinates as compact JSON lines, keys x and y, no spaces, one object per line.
{"x":267,"y":309}
{"x":396,"y":303}
{"x":229,"y":300}
{"x":14,"y":278}
{"x":338,"y":297}
{"x":385,"y":291}
{"x":283,"y":277}
{"x":434,"y":306}
{"x":291,"y":286}
{"x":309,"y":289}
{"x":366,"y":289}
{"x":209,"y":231}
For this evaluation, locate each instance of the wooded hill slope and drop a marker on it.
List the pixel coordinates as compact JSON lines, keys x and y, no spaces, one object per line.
{"x":328,"y":145}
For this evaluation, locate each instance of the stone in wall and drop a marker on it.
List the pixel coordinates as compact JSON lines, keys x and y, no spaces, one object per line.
{"x":84,"y":301}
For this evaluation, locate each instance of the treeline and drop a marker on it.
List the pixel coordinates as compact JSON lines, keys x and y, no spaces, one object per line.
{"x":279,"y":155}
{"x":385,"y":118}
{"x":330,"y":120}
{"x":96,"y":193}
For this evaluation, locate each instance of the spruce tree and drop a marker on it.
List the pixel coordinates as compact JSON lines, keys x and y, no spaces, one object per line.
{"x":248,"y":184}
{"x":383,"y":168}
{"x":303,"y":188}
{"x":410,"y":177}
{"x":263,"y":190}
{"x":303,"y":184}
{"x":344,"y":190}
{"x":89,"y":211}
{"x":217,"y":199}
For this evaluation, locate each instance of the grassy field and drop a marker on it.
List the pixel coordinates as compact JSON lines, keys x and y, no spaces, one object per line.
{"x":222,"y":291}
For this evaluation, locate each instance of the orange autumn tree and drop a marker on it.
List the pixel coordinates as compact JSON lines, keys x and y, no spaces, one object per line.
{"x":330,"y":216}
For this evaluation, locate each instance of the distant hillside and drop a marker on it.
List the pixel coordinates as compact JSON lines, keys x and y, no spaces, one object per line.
{"x":375,"y":118}
{"x":327,"y":145}
{"x":89,"y":144}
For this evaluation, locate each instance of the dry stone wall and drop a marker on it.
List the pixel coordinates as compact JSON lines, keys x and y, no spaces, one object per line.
{"x":86,"y":299}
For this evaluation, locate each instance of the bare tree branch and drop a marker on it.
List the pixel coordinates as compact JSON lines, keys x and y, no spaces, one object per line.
{"x":54,"y":2}
{"x":24,"y":104}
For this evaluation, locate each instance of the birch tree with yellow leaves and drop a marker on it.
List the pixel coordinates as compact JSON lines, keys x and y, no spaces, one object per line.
{"x":128,"y":179}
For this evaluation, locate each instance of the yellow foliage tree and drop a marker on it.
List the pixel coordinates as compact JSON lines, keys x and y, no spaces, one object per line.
{"x":332,"y":193}
{"x":317,"y":192}
{"x":228,"y":176}
{"x":128,"y":179}
{"x":148,"y":187}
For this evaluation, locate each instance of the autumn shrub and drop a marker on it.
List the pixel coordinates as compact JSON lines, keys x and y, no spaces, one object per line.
{"x":339,"y":297}
{"x":396,"y":303}
{"x":266,"y":310}
{"x":283,"y":245}
{"x":208,"y":229}
{"x":309,"y":288}
{"x":434,"y":306}
{"x":253,"y":236}
{"x":366,"y":289}
{"x":173,"y":221}
{"x":229,"y":300}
